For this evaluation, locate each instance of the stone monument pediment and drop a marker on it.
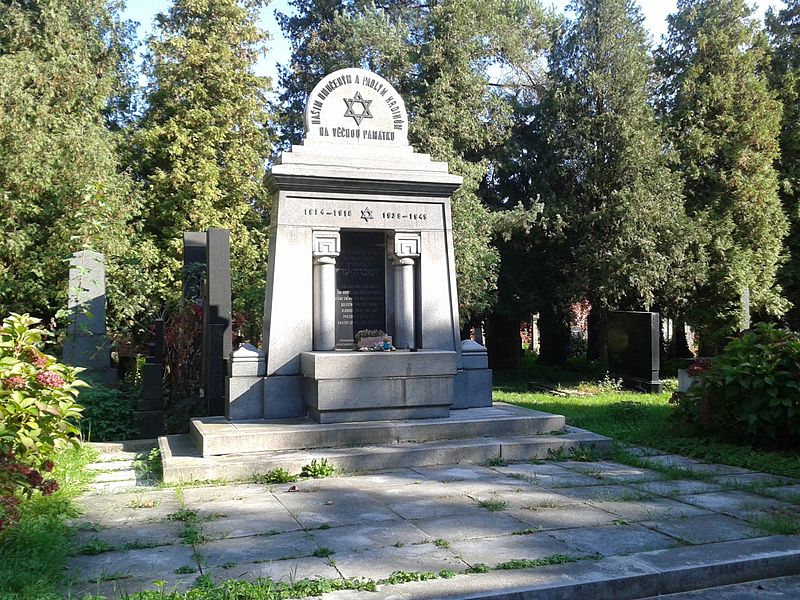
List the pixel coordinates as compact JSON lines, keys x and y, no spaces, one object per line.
{"x":355,"y":106}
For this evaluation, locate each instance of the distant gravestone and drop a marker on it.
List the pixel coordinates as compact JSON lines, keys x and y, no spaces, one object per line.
{"x":86,"y":344}
{"x":633,"y":349}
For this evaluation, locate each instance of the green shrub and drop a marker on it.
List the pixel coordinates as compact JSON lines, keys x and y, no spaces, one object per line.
{"x":107,"y":414}
{"x":751,"y":391}
{"x":318,"y":469}
{"x":38,"y":412}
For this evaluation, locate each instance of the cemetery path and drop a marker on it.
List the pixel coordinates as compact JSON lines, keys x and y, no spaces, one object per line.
{"x":558,"y":528}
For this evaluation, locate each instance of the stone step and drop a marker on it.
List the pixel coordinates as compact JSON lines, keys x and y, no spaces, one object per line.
{"x":216,"y":436}
{"x":182,"y":460}
{"x":112,"y":465}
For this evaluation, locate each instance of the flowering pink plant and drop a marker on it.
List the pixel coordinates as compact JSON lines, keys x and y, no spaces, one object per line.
{"x":38,"y":413}
{"x":698,"y":367}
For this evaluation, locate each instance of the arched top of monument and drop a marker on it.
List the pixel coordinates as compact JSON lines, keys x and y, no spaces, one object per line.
{"x":356,"y":107}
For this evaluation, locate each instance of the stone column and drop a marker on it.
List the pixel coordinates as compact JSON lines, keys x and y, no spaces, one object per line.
{"x":406,"y":249}
{"x":326,"y":247}
{"x":404,"y":303}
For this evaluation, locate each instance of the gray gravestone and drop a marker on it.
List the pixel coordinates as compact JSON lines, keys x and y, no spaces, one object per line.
{"x":217,"y":328}
{"x":86,"y":344}
{"x":633,"y":349}
{"x":360,"y":238}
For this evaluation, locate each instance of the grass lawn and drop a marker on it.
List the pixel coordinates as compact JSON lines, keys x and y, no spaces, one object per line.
{"x":33,"y":555}
{"x":632,"y":418}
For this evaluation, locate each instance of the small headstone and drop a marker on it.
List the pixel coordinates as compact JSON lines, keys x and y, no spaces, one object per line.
{"x":86,"y":344}
{"x":633,"y":349}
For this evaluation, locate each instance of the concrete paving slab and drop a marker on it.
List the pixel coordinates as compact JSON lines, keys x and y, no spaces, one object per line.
{"x":258,"y":548}
{"x":737,"y":503}
{"x":696,"y":466}
{"x":535,"y":497}
{"x":259,"y":524}
{"x":613,"y":539}
{"x":677,"y":487}
{"x":549,"y":475}
{"x":129,"y":507}
{"x":645,"y":510}
{"x":363,"y":538}
{"x":130,"y":536}
{"x":754,"y":479}
{"x":705,"y":529}
{"x":492,"y":551}
{"x":580,"y":515}
{"x":457,"y":473}
{"x":335,"y":508}
{"x":443,"y":506}
{"x":613,"y":472}
{"x":145,"y":563}
{"x":122,"y":588}
{"x":604,"y":493}
{"x":419,"y":557}
{"x":228,"y":493}
{"x":476,"y":525}
{"x":789,"y":493}
{"x":286,"y":571}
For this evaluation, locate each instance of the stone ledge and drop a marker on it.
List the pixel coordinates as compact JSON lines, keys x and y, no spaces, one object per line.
{"x":369,"y":365}
{"x":635,"y":576}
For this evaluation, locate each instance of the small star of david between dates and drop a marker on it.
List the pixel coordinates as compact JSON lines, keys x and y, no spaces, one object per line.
{"x":366,"y":214}
{"x":365,"y":112}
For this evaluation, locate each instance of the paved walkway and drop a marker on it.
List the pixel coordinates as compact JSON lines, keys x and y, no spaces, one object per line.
{"x":609,"y":530}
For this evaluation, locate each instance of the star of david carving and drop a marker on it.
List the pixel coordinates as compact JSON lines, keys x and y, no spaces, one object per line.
{"x":366,"y":214}
{"x":358,"y":99}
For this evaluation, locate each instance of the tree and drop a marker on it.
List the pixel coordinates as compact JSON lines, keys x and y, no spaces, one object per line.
{"x":724,"y":122}
{"x":62,"y":78}
{"x":438,"y":56}
{"x":617,"y":233}
{"x":784,"y":32}
{"x":202,"y":143}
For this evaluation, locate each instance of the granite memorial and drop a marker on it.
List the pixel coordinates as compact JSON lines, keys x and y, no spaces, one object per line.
{"x":634,"y":352}
{"x":361,"y":239}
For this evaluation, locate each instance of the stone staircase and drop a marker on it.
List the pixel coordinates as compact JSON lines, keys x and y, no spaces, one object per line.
{"x":116,"y":466}
{"x":218,"y":449}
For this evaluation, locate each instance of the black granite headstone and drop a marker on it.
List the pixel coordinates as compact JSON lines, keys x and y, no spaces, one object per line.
{"x":633,"y":349}
{"x":194,"y":266}
{"x":149,"y":416}
{"x":217,"y":330}
{"x":360,"y":285}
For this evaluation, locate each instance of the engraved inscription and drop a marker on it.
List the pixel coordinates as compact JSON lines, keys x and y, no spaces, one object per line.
{"x":360,"y":285}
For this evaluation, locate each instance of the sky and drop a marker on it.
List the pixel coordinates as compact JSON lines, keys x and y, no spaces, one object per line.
{"x":144,"y":11}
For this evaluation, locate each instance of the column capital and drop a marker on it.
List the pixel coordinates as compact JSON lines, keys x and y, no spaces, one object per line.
{"x":325,"y":242}
{"x":407,"y":244}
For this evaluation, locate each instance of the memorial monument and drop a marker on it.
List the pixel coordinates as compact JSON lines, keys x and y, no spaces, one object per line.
{"x":361,"y":244}
{"x":361,"y":240}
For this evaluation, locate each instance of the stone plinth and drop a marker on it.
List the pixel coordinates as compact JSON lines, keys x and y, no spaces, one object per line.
{"x":369,"y":386}
{"x":473,"y":387}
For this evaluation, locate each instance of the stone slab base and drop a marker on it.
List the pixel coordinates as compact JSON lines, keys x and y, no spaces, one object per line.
{"x":340,"y":387}
{"x":218,"y":436}
{"x":182,"y":460}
